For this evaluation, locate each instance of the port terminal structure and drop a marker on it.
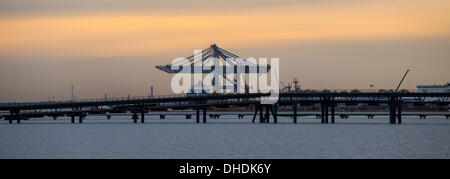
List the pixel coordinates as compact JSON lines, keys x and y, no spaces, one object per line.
{"x":202,"y":62}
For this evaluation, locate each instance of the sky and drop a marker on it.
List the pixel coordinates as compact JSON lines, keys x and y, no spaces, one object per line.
{"x":112,"y":46}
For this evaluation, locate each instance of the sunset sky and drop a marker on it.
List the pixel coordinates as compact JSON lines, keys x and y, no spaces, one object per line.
{"x":112,"y":46}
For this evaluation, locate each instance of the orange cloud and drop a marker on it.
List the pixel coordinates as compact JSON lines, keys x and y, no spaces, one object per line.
{"x":131,"y":35}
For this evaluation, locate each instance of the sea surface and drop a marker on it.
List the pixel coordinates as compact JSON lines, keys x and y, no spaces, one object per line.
{"x":227,"y":137}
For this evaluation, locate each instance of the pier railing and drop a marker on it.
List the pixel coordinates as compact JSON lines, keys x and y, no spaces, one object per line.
{"x":307,"y":94}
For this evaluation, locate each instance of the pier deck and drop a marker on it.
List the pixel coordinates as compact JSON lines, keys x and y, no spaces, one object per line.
{"x":146,"y":105}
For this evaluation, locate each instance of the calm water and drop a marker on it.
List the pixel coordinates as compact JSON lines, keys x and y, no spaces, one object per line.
{"x":227,"y":137}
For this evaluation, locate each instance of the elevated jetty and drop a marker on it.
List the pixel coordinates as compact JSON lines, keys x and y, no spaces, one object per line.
{"x":198,"y":105}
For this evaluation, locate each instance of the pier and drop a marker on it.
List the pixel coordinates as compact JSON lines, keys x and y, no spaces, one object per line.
{"x":199,"y":105}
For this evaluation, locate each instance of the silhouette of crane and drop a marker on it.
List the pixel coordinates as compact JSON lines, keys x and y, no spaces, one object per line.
{"x":226,"y":60}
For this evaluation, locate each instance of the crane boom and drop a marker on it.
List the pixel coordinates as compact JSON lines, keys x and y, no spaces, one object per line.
{"x":401,"y":80}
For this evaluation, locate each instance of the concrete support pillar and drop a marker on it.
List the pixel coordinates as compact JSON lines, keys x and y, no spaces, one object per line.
{"x":261,"y":114}
{"x":399,"y":114}
{"x":72,"y":119}
{"x":295,"y":112}
{"x":275,"y":113}
{"x":322,"y":113}
{"x":332,"y":113}
{"x":142,"y":117}
{"x":392,"y":113}
{"x":198,"y":116}
{"x":134,"y":117}
{"x":10,"y":121}
{"x":254,"y":115}
{"x":80,"y":118}
{"x":18,"y":120}
{"x":326,"y":113}
{"x":204,"y":114}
